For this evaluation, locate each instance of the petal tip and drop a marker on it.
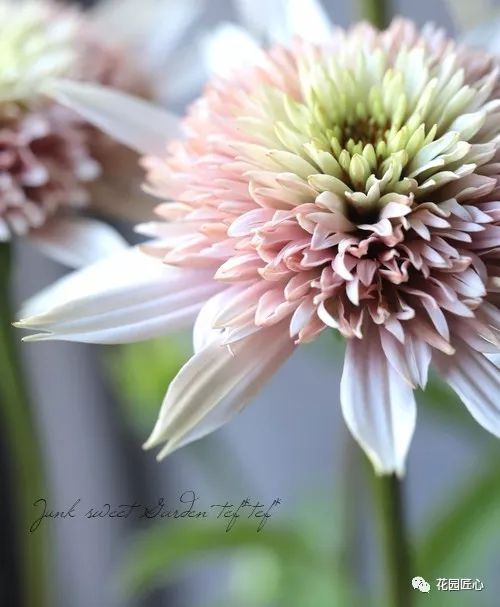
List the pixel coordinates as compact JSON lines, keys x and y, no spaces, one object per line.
{"x":148,"y":444}
{"x":37,"y":337}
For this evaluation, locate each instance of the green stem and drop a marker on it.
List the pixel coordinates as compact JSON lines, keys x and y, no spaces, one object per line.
{"x":377,"y":12}
{"x":23,"y":456}
{"x":392,"y":526}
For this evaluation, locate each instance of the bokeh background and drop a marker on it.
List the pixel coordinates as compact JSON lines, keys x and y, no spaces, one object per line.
{"x":94,"y":406}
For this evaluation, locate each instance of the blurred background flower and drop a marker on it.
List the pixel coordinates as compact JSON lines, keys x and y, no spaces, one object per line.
{"x":52,"y":161}
{"x":46,"y":155}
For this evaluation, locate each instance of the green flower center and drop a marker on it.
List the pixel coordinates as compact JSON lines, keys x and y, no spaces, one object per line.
{"x":372,"y":130}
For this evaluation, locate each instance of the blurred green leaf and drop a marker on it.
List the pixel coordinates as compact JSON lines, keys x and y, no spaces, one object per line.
{"x":321,"y":586}
{"x":263,"y":565}
{"x":300,"y":563}
{"x":158,"y":554}
{"x":458,"y":539}
{"x":142,"y":372}
{"x":324,"y":526}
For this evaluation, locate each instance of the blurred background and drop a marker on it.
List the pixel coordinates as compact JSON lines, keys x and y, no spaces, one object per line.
{"x":94,"y":406}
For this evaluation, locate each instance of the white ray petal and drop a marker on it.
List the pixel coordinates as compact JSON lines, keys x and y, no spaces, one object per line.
{"x":189,"y":75}
{"x":410,"y":359}
{"x":166,"y":34}
{"x":494,"y":358}
{"x":155,"y":31}
{"x":203,"y":331}
{"x":476,"y":380}
{"x":127,"y":297}
{"x":264,"y":19}
{"x":228,"y":48}
{"x":308,"y":19}
{"x":161,"y":34}
{"x":215,"y":384}
{"x":280,"y":20}
{"x":77,"y":241}
{"x":418,"y":356}
{"x":395,"y":354}
{"x":378,"y":404}
{"x":134,"y":122}
{"x":128,"y":268}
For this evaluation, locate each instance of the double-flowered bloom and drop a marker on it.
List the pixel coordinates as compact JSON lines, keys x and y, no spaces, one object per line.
{"x":352,"y":185}
{"x":53,"y":163}
{"x":49,"y":156}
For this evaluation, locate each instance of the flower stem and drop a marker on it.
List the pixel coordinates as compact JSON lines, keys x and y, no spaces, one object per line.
{"x":395,"y":543}
{"x":377,"y":12}
{"x":21,"y":447}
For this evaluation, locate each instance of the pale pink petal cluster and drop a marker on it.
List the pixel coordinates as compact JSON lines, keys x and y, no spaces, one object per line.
{"x":44,"y":166}
{"x":353,"y":185}
{"x":48,"y":154}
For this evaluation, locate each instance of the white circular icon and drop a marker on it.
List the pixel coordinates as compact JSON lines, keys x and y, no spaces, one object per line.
{"x":419,"y":583}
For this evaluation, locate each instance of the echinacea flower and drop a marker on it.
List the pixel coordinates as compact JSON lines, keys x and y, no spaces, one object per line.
{"x":351,"y":185}
{"x":53,"y":163}
{"x":46,"y":160}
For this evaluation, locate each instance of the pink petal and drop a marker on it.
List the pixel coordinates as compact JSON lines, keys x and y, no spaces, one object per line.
{"x":215,"y":385}
{"x":476,"y":381}
{"x":77,"y":241}
{"x":127,"y":297}
{"x":378,"y":404}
